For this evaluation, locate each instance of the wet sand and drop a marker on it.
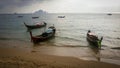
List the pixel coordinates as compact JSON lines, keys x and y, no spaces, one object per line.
{"x":18,"y":58}
{"x":18,"y":54}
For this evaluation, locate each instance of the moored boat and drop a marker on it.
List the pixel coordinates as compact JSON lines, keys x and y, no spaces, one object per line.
{"x":35,"y":17}
{"x":109,"y":14}
{"x":93,"y":39}
{"x":20,"y":16}
{"x":49,"y":33}
{"x":38,"y":25}
{"x":61,"y":16}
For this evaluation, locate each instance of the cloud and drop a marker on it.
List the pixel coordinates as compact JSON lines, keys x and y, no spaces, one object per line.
{"x":54,"y":6}
{"x":7,"y":3}
{"x":14,"y":5}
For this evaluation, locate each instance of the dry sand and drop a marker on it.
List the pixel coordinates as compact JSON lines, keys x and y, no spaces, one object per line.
{"x":15,"y":58}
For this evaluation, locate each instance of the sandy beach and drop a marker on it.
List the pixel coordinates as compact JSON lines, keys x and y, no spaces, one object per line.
{"x":16,"y":58}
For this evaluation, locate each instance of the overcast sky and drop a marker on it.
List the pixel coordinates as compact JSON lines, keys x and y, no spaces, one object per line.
{"x":59,"y":6}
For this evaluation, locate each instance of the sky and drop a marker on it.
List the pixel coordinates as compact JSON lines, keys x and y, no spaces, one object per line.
{"x":60,"y":6}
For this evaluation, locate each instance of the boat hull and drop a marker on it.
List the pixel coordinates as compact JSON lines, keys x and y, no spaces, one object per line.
{"x":92,"y":42}
{"x":35,"y":26}
{"x":41,"y":38}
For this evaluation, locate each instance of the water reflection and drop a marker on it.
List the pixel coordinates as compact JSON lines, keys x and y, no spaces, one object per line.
{"x":96,"y":51}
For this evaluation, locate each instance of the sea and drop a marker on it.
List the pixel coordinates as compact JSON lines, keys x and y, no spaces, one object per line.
{"x":70,"y":37}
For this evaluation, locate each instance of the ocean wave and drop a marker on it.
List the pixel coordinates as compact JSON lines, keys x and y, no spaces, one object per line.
{"x":68,"y":38}
{"x":18,"y":39}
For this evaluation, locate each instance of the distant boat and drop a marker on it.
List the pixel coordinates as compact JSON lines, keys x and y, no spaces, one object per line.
{"x":49,"y":33}
{"x":61,"y":16}
{"x":35,"y":17}
{"x":20,"y":16}
{"x":109,"y":14}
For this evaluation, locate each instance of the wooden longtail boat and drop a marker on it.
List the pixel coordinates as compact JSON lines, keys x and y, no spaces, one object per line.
{"x":93,"y":39}
{"x":49,"y":33}
{"x":35,"y":26}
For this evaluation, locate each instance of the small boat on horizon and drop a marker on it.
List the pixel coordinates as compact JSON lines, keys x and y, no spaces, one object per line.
{"x":35,"y":17}
{"x":109,"y":14}
{"x":93,"y":39}
{"x":20,"y":16}
{"x":61,"y":16}
{"x":37,"y":25}
{"x":49,"y":33}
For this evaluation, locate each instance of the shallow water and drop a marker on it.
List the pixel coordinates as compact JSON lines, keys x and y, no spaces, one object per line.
{"x":70,"y":38}
{"x":70,"y":30}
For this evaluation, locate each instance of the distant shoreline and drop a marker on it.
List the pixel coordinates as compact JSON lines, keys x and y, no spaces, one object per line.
{"x":54,"y":13}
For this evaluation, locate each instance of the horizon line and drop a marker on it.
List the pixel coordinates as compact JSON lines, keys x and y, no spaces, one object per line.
{"x":67,"y":13}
